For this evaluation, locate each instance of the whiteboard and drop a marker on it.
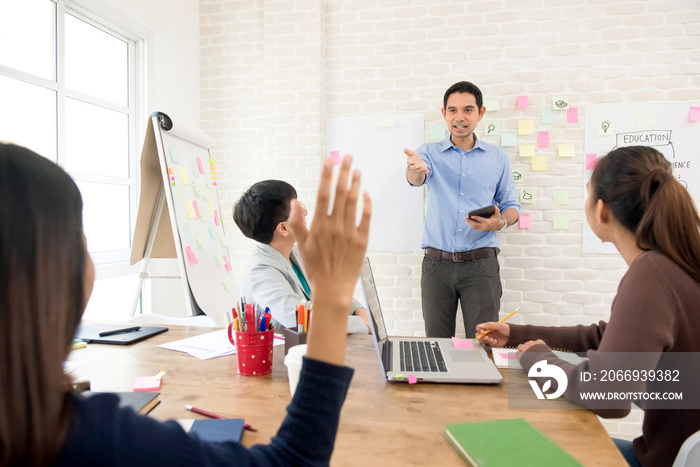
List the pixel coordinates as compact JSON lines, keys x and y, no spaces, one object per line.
{"x":377,"y":144}
{"x":667,"y":128}
{"x":190,"y":227}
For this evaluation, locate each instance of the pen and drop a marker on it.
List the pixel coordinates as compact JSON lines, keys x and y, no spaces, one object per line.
{"x":120,"y":331}
{"x":213,"y":415}
{"x":500,"y":321}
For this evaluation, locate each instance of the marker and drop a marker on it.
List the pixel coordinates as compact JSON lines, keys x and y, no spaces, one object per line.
{"x":263,"y":324}
{"x":120,"y":331}
{"x":213,"y":415}
{"x":301,"y":317}
{"x":500,"y":321}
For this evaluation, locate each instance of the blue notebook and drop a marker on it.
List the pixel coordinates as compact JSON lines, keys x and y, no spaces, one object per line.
{"x":215,"y":430}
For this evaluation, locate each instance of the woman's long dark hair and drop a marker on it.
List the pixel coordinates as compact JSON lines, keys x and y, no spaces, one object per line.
{"x":638,"y":185}
{"x":42,"y":267}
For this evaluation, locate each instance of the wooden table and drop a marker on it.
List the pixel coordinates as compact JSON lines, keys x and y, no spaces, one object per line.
{"x":381,"y":423}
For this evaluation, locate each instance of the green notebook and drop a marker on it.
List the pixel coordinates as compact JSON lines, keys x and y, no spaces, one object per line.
{"x":505,"y":443}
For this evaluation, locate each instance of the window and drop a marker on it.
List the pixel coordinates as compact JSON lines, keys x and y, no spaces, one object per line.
{"x":71,"y":89}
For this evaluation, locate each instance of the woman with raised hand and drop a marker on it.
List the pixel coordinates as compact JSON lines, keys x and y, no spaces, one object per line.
{"x":47,"y":277}
{"x":634,"y":202}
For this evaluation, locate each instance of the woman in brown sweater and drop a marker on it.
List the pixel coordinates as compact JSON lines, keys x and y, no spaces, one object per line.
{"x":634,"y":202}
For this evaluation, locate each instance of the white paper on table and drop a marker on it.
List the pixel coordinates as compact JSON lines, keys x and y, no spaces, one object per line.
{"x":205,"y":346}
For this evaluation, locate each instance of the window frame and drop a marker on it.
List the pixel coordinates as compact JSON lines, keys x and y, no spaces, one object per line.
{"x":114,"y":262}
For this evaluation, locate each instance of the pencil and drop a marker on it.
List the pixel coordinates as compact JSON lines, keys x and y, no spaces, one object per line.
{"x":213,"y":415}
{"x":500,"y":321}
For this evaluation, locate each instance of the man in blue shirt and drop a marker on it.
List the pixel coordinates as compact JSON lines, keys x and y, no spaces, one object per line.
{"x":462,"y":174}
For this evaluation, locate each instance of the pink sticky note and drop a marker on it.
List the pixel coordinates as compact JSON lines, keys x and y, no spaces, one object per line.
{"x":216,"y":217}
{"x":694,"y":114}
{"x":227,"y":265}
{"x":543,"y":139}
{"x":196,"y":209}
{"x":458,"y":343}
{"x":190,"y":255}
{"x":591,"y":160}
{"x":199,"y":164}
{"x":147,"y":383}
{"x":524,"y":221}
{"x":572,"y":115}
{"x":335,"y":157}
{"x":412,"y":379}
{"x":522,"y":101}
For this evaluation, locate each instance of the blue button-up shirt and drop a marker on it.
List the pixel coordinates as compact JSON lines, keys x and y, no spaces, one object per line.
{"x":460,"y":182}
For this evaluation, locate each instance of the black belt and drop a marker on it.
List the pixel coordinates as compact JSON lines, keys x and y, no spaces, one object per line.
{"x":461,"y":256}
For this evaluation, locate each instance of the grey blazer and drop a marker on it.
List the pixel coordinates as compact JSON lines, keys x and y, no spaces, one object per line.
{"x":270,"y":281}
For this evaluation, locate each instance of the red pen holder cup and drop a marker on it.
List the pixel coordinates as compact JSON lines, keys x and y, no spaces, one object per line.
{"x":254,"y":351}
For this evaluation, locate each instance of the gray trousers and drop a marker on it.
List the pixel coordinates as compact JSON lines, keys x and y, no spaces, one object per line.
{"x":476,"y":284}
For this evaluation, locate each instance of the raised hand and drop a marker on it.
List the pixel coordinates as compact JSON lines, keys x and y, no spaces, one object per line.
{"x":333,"y":249}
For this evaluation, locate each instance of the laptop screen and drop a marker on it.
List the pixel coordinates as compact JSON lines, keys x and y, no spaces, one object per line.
{"x":372,"y":301}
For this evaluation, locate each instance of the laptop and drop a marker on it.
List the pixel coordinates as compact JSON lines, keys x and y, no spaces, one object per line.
{"x":427,"y":359}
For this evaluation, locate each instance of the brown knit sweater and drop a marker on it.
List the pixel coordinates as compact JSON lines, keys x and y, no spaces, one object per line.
{"x":657,"y":309}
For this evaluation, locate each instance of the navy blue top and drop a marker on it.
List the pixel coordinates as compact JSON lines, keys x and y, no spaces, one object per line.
{"x":103,"y":434}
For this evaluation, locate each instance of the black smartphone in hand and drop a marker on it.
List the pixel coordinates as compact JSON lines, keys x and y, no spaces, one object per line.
{"x":486,"y":211}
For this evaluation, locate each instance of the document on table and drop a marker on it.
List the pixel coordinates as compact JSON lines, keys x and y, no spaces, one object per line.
{"x":209,"y":345}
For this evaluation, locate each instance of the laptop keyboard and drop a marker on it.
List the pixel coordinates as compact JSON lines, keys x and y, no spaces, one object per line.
{"x":421,"y":356}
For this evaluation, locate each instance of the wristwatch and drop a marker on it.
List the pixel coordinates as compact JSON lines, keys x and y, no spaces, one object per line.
{"x":505,"y":224}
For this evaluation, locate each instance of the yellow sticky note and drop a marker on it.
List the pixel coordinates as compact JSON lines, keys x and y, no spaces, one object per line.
{"x":387,"y":121}
{"x":560,"y":222}
{"x":211,"y":207}
{"x":526,"y":127}
{"x":526,"y":150}
{"x":566,"y":150}
{"x":538,"y":163}
{"x":183,"y":175}
{"x":191,"y":212}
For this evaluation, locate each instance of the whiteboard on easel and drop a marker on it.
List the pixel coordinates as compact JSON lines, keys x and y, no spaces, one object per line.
{"x":665,"y":127}
{"x":190,"y":227}
{"x":376,"y":144}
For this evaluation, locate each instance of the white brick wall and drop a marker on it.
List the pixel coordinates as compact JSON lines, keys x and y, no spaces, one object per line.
{"x":272,"y":71}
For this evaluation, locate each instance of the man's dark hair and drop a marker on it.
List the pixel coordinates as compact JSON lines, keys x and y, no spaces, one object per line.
{"x":464,"y":86}
{"x":262,"y":207}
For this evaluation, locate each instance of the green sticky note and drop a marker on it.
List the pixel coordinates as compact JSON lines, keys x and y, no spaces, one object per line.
{"x":172,"y":150}
{"x":491,"y":104}
{"x":549,"y":116}
{"x":187,"y":232}
{"x":202,"y":243}
{"x":561,"y":197}
{"x":518,"y":175}
{"x":437,"y":132}
{"x":225,"y":284}
{"x":560,"y":222}
{"x":527,"y":195}
{"x":508,"y":140}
